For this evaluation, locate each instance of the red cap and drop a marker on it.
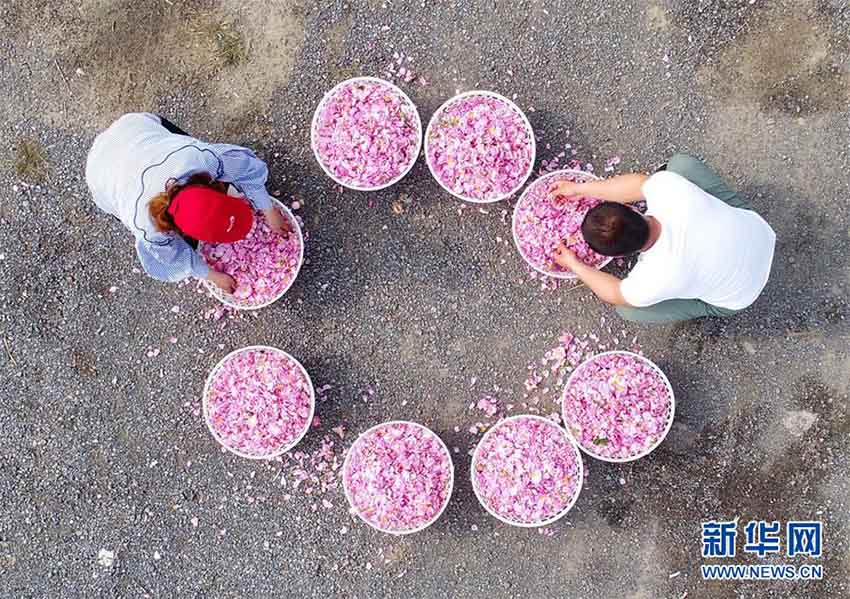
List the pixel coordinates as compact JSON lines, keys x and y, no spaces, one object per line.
{"x":212,"y":216}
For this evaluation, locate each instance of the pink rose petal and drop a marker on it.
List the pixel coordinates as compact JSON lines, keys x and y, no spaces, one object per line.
{"x":258,"y":402}
{"x":366,"y":134}
{"x":617,"y":405}
{"x":263,"y":264}
{"x":541,"y":224}
{"x":480,"y":147}
{"x":398,"y":476}
{"x":526,"y":470}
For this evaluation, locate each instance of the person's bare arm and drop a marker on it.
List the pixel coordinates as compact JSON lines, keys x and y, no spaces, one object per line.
{"x":222,"y":280}
{"x":604,"y":285}
{"x":277,"y":221}
{"x":623,"y":189}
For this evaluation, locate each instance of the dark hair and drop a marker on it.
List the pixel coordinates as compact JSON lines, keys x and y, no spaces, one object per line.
{"x":614,"y":229}
{"x":158,"y":206}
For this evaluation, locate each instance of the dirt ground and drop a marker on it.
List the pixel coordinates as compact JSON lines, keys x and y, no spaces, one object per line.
{"x":415,"y":312}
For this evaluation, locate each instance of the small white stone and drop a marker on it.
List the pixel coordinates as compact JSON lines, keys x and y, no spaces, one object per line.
{"x":105,"y":558}
{"x":798,"y":422}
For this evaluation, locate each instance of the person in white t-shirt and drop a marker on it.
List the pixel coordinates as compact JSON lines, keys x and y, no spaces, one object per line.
{"x":703,"y":250}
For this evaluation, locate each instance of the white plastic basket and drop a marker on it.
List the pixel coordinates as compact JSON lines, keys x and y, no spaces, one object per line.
{"x":211,"y":376}
{"x":229,"y":300}
{"x":435,"y":118}
{"x":323,"y":103}
{"x":670,"y":416}
{"x":436,"y":517}
{"x":552,"y":519}
{"x":585,"y":176}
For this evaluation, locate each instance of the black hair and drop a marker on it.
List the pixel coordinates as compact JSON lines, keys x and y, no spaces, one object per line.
{"x":613,"y":229}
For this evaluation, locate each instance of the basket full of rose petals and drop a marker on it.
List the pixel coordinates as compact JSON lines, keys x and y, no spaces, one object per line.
{"x":258,"y":402}
{"x":398,"y":477}
{"x":541,"y":223}
{"x":366,"y":133}
{"x":264,"y":264}
{"x":480,"y":147}
{"x":527,"y":471}
{"x":618,"y":406}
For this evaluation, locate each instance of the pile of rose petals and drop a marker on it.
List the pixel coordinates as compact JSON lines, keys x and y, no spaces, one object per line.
{"x":541,"y":224}
{"x":480,"y":148}
{"x":264,"y":264}
{"x":617,"y":405}
{"x":398,"y":477}
{"x":526,"y":470}
{"x":366,"y":134}
{"x":259,"y":402}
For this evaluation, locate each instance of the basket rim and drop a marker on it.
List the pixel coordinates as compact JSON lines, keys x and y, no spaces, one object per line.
{"x":551,"y":519}
{"x":205,"y":397}
{"x":565,"y":276}
{"x":220,"y":296}
{"x":436,"y":516}
{"x":327,"y":97}
{"x":512,"y":105}
{"x":661,"y":437}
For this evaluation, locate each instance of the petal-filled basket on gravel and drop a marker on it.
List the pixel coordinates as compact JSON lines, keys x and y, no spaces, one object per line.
{"x":618,"y":406}
{"x":398,"y":477}
{"x":258,"y":402}
{"x":366,"y":133}
{"x":264,"y":264}
{"x":540,"y":224}
{"x":526,"y":471}
{"x":480,"y":147}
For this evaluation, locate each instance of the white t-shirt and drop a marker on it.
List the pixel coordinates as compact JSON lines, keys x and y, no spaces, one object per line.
{"x":707,"y":249}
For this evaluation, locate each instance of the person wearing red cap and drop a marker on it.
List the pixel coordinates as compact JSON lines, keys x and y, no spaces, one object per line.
{"x":171,"y":191}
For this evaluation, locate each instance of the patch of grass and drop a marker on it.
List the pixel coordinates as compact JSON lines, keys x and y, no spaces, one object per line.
{"x":229,"y":45}
{"x":31,"y":161}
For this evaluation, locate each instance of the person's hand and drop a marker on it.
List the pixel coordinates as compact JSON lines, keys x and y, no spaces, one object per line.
{"x":563,"y":256}
{"x":562,"y":191}
{"x":223,"y":281}
{"x":277,"y":221}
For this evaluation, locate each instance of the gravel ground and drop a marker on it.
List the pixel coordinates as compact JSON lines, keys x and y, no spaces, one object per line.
{"x":103,"y":448}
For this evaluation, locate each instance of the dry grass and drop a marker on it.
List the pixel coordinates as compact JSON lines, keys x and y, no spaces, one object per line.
{"x":229,"y":45}
{"x":31,"y":161}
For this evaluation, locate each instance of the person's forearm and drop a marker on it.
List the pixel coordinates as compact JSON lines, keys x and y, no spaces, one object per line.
{"x":604,"y":285}
{"x":623,"y":189}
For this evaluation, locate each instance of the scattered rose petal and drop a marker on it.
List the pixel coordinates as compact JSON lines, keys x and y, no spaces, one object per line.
{"x":488,"y":405}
